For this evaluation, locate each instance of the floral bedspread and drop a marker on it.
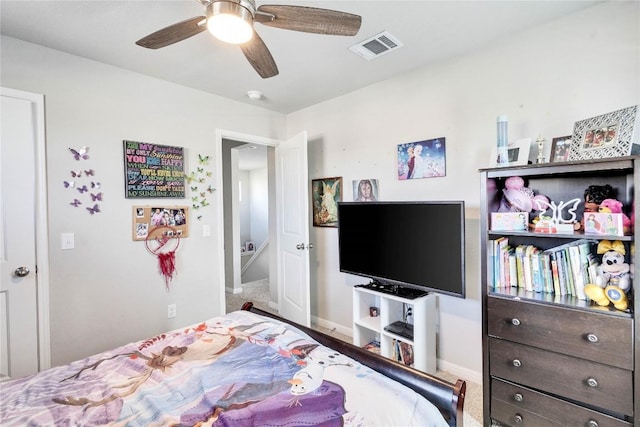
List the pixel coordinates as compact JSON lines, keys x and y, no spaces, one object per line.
{"x":240,"y":369}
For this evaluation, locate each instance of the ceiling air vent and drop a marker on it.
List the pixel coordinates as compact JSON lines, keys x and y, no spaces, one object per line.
{"x":376,"y":46}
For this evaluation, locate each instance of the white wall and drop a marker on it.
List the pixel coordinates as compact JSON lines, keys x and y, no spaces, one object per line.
{"x":544,"y":79}
{"x":108,"y":291}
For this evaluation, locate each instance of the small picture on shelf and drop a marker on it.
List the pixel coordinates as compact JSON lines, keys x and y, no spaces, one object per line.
{"x":374,"y":311}
{"x":403,"y":352}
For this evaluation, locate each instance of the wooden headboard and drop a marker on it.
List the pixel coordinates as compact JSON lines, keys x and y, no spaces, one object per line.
{"x":447,"y":397}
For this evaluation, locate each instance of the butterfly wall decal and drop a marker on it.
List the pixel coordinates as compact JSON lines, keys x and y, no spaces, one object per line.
{"x":69,"y":184}
{"x":80,"y":154}
{"x":95,"y":185}
{"x":210,"y":189}
{"x":76,"y":203}
{"x":204,"y":160}
{"x":89,"y":172}
{"x":94,"y":209}
{"x":83,"y":189}
{"x":95,"y":197}
{"x":75,"y":174}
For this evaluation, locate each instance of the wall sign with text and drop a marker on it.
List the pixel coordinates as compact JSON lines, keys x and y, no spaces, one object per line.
{"x":153,"y":170}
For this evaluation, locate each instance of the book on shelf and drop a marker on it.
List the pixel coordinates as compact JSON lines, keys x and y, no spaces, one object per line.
{"x":402,"y":352}
{"x":561,"y":270}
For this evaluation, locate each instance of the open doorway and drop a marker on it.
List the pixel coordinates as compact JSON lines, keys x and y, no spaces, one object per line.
{"x":248,"y":246}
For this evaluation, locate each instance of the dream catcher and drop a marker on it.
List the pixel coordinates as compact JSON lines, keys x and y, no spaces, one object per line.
{"x":163,"y":241}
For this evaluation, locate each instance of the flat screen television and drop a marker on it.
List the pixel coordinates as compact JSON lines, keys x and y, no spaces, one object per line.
{"x":404,"y":246}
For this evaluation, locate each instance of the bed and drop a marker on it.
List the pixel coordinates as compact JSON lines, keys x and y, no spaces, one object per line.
{"x":245,"y":368}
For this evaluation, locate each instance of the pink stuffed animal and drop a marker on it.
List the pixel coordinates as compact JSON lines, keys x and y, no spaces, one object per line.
{"x":615,"y":206}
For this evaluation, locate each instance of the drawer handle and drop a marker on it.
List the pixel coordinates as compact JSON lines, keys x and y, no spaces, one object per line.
{"x":518,"y":419}
{"x":518,"y":397}
{"x":592,"y":338}
{"x":515,"y":322}
{"x":517,"y":363}
{"x":591,"y":382}
{"x":592,"y":423}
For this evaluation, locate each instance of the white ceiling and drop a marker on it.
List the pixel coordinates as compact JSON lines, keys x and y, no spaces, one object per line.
{"x":313,"y":68}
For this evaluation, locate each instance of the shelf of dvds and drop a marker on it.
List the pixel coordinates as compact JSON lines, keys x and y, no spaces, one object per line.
{"x":374,"y":311}
{"x":550,"y":355}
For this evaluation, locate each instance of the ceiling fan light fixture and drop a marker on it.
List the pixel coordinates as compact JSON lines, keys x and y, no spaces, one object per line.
{"x":230,"y":21}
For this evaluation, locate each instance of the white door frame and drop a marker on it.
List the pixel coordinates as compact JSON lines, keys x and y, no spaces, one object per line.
{"x":240,"y":137}
{"x":41,"y":223}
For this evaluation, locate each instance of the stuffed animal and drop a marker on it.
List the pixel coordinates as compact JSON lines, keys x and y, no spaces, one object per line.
{"x":613,"y":281}
{"x":615,"y":206}
{"x":518,"y":198}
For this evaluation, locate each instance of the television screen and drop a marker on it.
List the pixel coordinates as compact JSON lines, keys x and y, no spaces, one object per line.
{"x":404,"y":244}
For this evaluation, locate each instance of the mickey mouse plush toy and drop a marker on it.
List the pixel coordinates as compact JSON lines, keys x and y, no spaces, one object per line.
{"x":613,"y":281}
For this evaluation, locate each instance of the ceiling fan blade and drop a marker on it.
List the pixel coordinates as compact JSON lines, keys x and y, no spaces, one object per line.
{"x":310,"y":20}
{"x":173,"y":33}
{"x":259,"y":57}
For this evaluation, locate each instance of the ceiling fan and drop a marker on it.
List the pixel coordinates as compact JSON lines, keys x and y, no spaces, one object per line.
{"x":232,"y":21}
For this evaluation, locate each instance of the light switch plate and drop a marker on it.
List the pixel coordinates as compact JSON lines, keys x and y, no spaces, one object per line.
{"x":67,"y":241}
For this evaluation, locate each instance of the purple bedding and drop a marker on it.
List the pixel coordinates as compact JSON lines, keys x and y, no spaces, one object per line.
{"x":240,"y":369}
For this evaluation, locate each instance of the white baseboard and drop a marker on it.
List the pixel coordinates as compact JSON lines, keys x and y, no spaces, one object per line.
{"x":460,"y":371}
{"x":233,"y":290}
{"x":330,"y":325}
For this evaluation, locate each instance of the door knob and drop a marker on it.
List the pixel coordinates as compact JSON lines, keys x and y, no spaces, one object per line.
{"x":310,"y":246}
{"x":300,"y":246}
{"x":22,"y":271}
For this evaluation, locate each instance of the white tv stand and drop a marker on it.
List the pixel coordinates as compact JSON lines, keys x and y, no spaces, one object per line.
{"x":367,"y":328}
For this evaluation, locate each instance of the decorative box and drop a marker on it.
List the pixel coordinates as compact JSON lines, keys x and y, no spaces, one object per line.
{"x":603,"y":223}
{"x":509,"y":221}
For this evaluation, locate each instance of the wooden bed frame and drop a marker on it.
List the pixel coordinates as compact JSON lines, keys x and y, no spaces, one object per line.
{"x":447,"y":397}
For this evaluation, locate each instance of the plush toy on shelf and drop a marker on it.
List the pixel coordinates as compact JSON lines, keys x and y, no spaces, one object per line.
{"x":518,"y":198}
{"x":613,"y":281}
{"x":615,"y":206}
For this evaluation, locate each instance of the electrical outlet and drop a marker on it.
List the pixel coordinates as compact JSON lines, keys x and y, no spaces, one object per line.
{"x":171,"y":311}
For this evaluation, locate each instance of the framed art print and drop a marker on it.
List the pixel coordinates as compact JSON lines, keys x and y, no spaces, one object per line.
{"x":422,"y":159}
{"x":325,"y":194}
{"x":365,"y":190}
{"x":604,"y":136}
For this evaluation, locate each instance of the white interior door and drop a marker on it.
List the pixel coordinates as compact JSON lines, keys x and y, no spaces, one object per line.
{"x":18,"y":287}
{"x":292,"y":199}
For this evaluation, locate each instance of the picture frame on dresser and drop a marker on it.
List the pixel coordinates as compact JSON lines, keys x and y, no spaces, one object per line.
{"x":517,"y":153}
{"x":560,"y":148}
{"x":605,"y":136}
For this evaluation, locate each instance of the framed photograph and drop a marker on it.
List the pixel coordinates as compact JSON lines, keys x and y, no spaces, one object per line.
{"x":422,"y":159}
{"x":517,"y":153}
{"x":560,"y":149}
{"x":608,"y":135}
{"x":365,"y":190}
{"x":325,"y":194}
{"x":250,"y":246}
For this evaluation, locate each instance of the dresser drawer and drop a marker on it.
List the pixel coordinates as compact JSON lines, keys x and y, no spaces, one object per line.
{"x":581,"y":380}
{"x":589,"y":335}
{"x":511,"y":403}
